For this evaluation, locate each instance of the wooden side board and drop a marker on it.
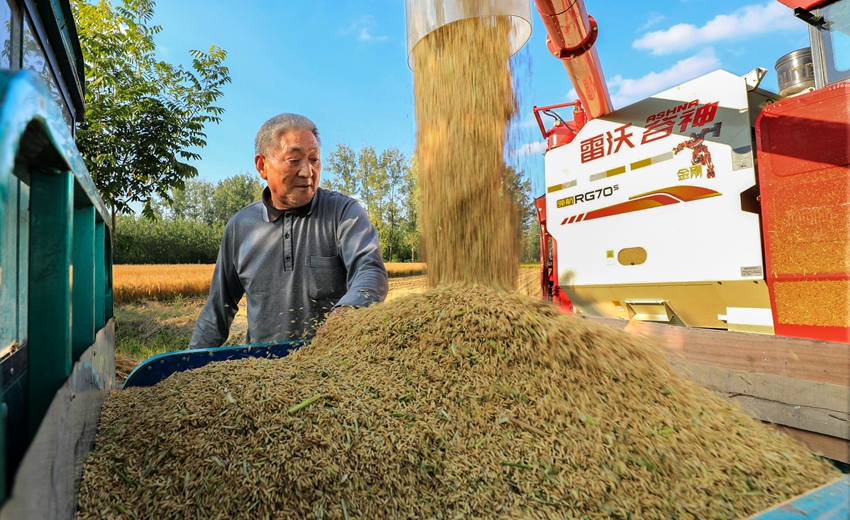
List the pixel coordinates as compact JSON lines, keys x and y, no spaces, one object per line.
{"x":808,"y":405}
{"x":820,"y":361}
{"x":832,"y":447}
{"x":800,"y":386}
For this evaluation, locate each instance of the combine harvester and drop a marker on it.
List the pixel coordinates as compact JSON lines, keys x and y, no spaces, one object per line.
{"x":715,"y":217}
{"x":57,"y":328}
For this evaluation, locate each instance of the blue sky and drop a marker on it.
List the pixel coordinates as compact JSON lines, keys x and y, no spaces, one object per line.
{"x":343,"y":64}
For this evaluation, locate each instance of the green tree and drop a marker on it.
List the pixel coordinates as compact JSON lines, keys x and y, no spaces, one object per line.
{"x":212,"y":204}
{"x":192,"y":202}
{"x":342,"y":164}
{"x":144,"y":118}
{"x":233,"y":194}
{"x":411,"y":202}
{"x":518,"y":189}
{"x":373,"y":187}
{"x":394,"y":166}
{"x":386,"y":185}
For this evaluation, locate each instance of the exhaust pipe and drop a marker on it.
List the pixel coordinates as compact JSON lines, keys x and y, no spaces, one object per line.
{"x":571,"y":35}
{"x":426,"y":16}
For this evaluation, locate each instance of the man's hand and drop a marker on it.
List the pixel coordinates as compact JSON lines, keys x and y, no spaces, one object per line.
{"x":341,"y":309}
{"x":337,"y":310}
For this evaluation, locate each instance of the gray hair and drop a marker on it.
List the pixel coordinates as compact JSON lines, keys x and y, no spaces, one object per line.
{"x":268,"y":137}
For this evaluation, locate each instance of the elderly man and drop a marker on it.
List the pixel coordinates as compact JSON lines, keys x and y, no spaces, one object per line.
{"x":298,"y":254}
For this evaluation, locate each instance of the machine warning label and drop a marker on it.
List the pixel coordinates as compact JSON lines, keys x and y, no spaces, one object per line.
{"x":752,"y":271}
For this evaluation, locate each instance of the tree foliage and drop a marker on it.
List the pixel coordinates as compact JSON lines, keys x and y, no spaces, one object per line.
{"x":175,"y":241}
{"x":518,"y":188}
{"x":212,"y":204}
{"x":387,"y":186}
{"x":190,"y":223}
{"x":145,"y":118}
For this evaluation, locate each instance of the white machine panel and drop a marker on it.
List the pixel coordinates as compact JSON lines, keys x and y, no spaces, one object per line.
{"x":652,"y":193}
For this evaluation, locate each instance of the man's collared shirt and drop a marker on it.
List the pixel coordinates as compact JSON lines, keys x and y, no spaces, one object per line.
{"x":294,"y":267}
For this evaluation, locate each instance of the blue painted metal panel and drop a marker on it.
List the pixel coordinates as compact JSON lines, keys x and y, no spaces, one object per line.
{"x":100,"y":278}
{"x":829,"y":502}
{"x":156,"y":368}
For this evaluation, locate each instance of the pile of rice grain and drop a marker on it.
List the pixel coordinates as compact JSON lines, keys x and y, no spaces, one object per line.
{"x":464,"y":99}
{"x":459,"y":402}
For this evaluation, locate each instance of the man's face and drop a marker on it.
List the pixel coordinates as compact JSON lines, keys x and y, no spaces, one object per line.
{"x":293,"y":170}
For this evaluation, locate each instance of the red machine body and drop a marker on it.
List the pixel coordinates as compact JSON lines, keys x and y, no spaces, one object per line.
{"x":549,"y":262}
{"x":804,"y":176}
{"x":805,"y":4}
{"x":571,"y":34}
{"x":563,"y":132}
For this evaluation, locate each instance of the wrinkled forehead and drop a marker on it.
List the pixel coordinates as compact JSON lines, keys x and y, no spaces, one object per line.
{"x":298,"y":141}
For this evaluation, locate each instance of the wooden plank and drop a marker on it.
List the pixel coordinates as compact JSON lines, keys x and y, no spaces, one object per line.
{"x":815,"y":420}
{"x":797,"y":392}
{"x":830,"y":447}
{"x":806,"y":405}
{"x":811,"y":360}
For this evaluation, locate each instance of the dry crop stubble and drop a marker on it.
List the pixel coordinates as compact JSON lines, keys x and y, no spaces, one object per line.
{"x":458,"y":401}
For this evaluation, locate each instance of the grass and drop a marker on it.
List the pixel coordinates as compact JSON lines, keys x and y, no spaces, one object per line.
{"x":144,"y":329}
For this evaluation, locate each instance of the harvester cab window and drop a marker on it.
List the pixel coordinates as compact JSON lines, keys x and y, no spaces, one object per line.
{"x":836,"y":41}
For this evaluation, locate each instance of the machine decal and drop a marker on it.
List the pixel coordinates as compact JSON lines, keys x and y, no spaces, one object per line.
{"x":700,"y":154}
{"x":658,"y":126}
{"x":607,"y":191}
{"x":559,"y":187}
{"x":652,"y":199}
{"x":595,"y":147}
{"x":651,"y":160}
{"x":608,"y":173}
{"x":563,"y":203}
{"x":689,"y":173}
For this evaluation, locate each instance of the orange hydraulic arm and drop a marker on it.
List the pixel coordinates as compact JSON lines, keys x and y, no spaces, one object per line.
{"x":572,"y":34}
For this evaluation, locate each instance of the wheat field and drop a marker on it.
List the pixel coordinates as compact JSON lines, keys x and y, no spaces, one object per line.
{"x":165,"y":282}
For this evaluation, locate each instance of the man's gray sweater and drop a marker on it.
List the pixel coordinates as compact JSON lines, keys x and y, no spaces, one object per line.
{"x":294,"y":269}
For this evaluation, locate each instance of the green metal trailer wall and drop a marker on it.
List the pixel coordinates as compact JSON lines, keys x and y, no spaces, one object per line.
{"x":56,"y":331}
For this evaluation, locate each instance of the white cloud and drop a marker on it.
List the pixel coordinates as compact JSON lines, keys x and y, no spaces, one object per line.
{"x":651,"y":19}
{"x":745,"y":22}
{"x":363,"y":28}
{"x":537,"y":147}
{"x":529,"y":121}
{"x":625,"y":91}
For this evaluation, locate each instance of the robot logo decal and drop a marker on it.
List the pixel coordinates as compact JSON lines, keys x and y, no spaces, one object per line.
{"x":700,"y":155}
